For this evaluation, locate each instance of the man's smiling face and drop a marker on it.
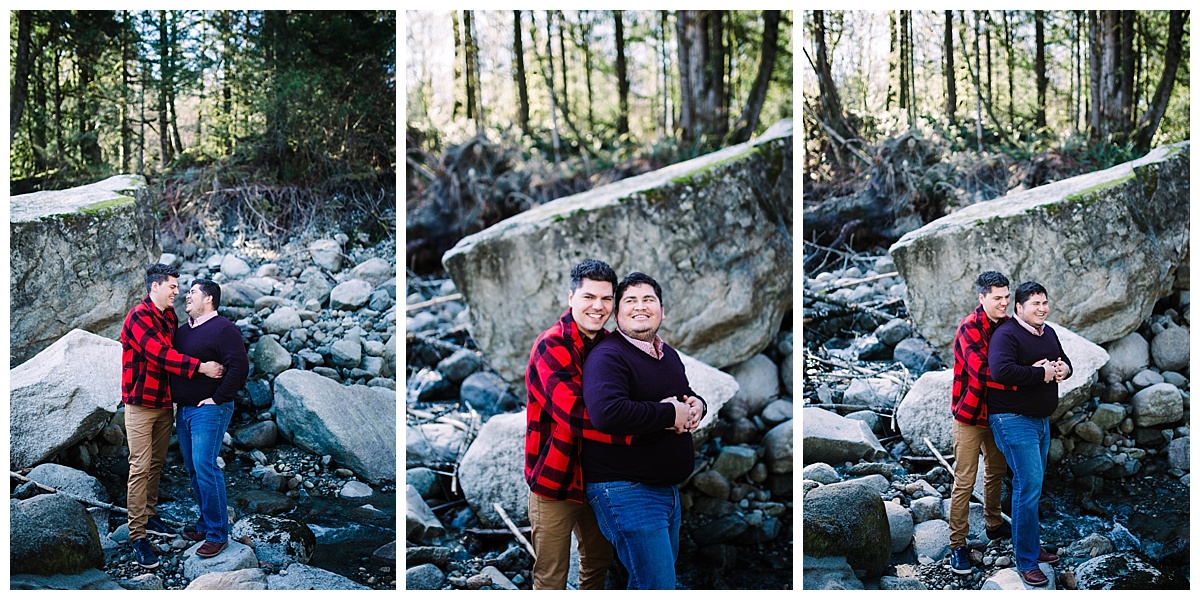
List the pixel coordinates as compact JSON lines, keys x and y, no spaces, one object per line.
{"x":640,"y":313}
{"x":591,"y":305}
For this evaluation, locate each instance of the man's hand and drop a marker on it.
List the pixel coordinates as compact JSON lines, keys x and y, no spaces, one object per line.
{"x":682,"y":414}
{"x":212,"y":369}
{"x":1061,"y":370}
{"x":206,"y":402}
{"x":1049,"y":368}
{"x":695,"y":410}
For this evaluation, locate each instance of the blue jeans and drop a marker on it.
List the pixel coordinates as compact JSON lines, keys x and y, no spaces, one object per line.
{"x":642,"y":522}
{"x":200,"y":430}
{"x":1024,"y":441}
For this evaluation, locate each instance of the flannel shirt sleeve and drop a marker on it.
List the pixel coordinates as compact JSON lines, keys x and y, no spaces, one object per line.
{"x":971,"y":373}
{"x":146,"y":341}
{"x":559,"y":370}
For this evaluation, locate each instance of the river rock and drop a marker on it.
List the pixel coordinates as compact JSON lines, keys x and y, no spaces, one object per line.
{"x":875,"y":393}
{"x":350,"y":295}
{"x":1179,"y":453}
{"x":316,"y":288}
{"x":758,"y":383}
{"x":346,"y":353}
{"x":1171,"y":349}
{"x":931,"y":540}
{"x":487,"y":393}
{"x":244,"y":579}
{"x":1099,"y":289}
{"x":1009,"y":579}
{"x":829,"y":573}
{"x":925,"y":413}
{"x":778,"y":412}
{"x":355,"y":424}
{"x":848,"y":520}
{"x":831,"y":438}
{"x":714,"y":484}
{"x":459,"y":365}
{"x":283,"y":320}
{"x":327,"y":254}
{"x":266,"y":502}
{"x":233,"y":293}
{"x":98,"y":237}
{"x":780,"y":448}
{"x":900,"y":524}
{"x":356,"y":489}
{"x":1122,"y":571}
{"x":432,"y":443}
{"x":51,"y":534}
{"x":270,"y":357}
{"x":493,"y":470}
{"x":235,"y":557}
{"x":917,"y":355}
{"x":424,"y":577}
{"x":821,"y":473}
{"x":1146,"y":378}
{"x":1108,"y":416}
{"x":374,"y":271}
{"x":71,"y":481}
{"x":1091,"y":546}
{"x":262,"y":434}
{"x":1157,"y":404}
{"x":233,"y":267}
{"x":892,"y":332}
{"x":927,"y":508}
{"x":307,"y":577}
{"x":88,"y":579}
{"x":276,"y":540}
{"x":65,"y":394}
{"x":721,"y":250}
{"x":734,"y":461}
{"x":1127,"y":356}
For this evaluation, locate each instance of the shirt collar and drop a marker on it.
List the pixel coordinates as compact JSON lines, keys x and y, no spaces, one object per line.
{"x":1030,"y":328}
{"x":653,"y":348}
{"x":194,"y":323}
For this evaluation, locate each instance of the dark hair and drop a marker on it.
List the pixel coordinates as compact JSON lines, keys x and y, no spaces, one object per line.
{"x":159,"y":273}
{"x":988,"y":280}
{"x":1029,"y":288}
{"x":636,"y":278}
{"x":596,"y":270}
{"x":209,"y":288}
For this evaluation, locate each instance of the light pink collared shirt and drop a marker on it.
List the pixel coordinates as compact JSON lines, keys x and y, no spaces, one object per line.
{"x":654,"y":348}
{"x":194,"y":323}
{"x":1030,"y":328}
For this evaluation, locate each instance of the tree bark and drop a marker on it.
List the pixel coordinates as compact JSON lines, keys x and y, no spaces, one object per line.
{"x":948,"y":50}
{"x":831,"y":103}
{"x":1162,"y":92}
{"x":622,"y":76}
{"x":585,"y":44}
{"x":1008,"y":47}
{"x":1096,"y":81}
{"x":20,"y":86}
{"x":459,"y":61}
{"x":893,"y":62}
{"x":748,"y":122}
{"x":563,"y":25}
{"x":1125,"y":92}
{"x":519,"y":76}
{"x":164,"y":139}
{"x":978,"y":90}
{"x":1039,"y":66}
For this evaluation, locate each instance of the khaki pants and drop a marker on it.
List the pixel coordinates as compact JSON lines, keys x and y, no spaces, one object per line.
{"x":149,"y":433}
{"x":969,"y":441}
{"x":552,"y":522}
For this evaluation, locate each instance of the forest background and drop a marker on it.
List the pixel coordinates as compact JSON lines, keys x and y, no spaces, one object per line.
{"x":278,"y":120}
{"x":918,"y":113}
{"x":505,"y":110}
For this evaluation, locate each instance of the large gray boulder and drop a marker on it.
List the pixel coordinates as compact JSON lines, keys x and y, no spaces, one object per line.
{"x":715,"y":231}
{"x":848,"y":519}
{"x":355,"y":424}
{"x":831,"y":438}
{"x":305,"y":577}
{"x":245,"y":579}
{"x":52,"y":534}
{"x":1098,"y":287}
{"x":276,"y":540}
{"x":99,"y":238}
{"x":65,"y":394}
{"x":235,"y":557}
{"x":493,"y":470}
{"x":72,"y":481}
{"x":1123,"y":571}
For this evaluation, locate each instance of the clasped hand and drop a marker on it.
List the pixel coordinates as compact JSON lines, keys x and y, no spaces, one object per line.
{"x":687,"y":413}
{"x":1056,"y":370}
{"x":212,"y":369}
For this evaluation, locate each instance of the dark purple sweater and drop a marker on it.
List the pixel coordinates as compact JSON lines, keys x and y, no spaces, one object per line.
{"x":1011,"y":352}
{"x":622,"y":390}
{"x":216,"y":339}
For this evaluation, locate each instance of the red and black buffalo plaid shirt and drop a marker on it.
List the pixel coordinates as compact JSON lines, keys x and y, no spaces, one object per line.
{"x":556,"y":420}
{"x":968,"y":397}
{"x":147,"y":358}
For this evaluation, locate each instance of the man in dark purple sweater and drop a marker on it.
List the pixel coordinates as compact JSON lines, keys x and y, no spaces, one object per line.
{"x":635,"y":384}
{"x":1026,"y":361}
{"x":205,"y":407}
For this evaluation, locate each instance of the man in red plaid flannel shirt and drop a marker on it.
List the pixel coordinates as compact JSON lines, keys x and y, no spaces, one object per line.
{"x":968,"y":404}
{"x":147,"y":359}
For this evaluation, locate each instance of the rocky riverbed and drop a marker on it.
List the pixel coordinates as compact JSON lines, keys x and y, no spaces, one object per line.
{"x":737,"y":518}
{"x":1116,"y":500}
{"x":309,"y":456}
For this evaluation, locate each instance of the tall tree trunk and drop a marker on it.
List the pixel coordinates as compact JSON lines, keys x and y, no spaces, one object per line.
{"x":548,"y":75}
{"x":174,"y":70}
{"x":60,"y":149}
{"x":622,"y":76}
{"x":987,"y":52}
{"x":1110,"y":73}
{"x":1096,"y":80}
{"x":893,"y":61}
{"x":717,"y":125}
{"x":978,"y":90}
{"x":128,"y":59}
{"x":1039,"y":66}
{"x":563,"y":25}
{"x":1079,"y":37}
{"x":748,"y":122}
{"x":519,"y":76}
{"x":1125,"y":92}
{"x":460,"y":60}
{"x":831,"y":103}
{"x":20,"y":86}
{"x":469,"y":66}
{"x":1008,"y":47}
{"x":227,"y":81}
{"x":1162,"y":92}
{"x":40,"y":108}
{"x":948,"y":50}
{"x":668,"y":114}
{"x":585,"y":34}
{"x":164,"y":51}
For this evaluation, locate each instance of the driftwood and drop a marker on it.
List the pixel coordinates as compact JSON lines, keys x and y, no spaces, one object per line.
{"x":513,"y":528}
{"x":87,"y":501}
{"x":495,"y":532}
{"x":878,"y":314}
{"x":432,"y":302}
{"x":854,"y":282}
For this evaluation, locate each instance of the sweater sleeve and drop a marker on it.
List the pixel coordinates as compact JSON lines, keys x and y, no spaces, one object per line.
{"x":608,"y":397}
{"x":237,"y":364}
